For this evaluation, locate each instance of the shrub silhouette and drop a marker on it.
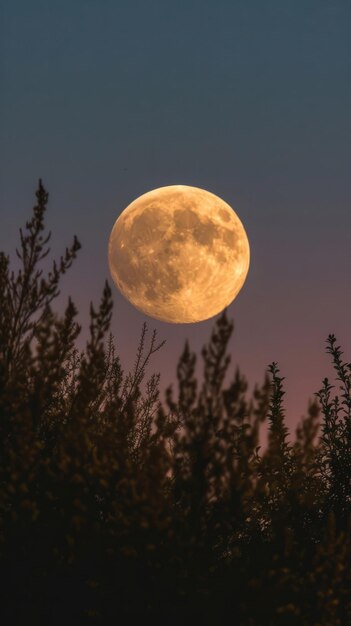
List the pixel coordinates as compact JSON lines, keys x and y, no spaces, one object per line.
{"x":116,"y":506}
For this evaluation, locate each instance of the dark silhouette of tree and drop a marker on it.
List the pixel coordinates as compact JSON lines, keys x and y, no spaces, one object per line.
{"x":117,"y":505}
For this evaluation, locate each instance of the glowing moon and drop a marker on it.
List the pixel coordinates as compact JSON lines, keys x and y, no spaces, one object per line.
{"x":179,"y":254}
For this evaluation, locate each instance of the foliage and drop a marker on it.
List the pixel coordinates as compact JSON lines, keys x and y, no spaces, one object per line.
{"x":116,"y":506}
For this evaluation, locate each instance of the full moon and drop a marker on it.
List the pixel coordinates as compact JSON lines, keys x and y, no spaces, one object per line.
{"x":179,"y":254}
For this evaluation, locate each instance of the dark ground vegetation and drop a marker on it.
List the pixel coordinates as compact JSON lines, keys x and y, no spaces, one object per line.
{"x":116,"y":508}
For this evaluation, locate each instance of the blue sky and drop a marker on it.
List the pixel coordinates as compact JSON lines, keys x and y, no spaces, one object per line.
{"x":248,"y":99}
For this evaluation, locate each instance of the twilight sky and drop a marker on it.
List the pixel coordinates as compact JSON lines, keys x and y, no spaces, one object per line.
{"x":251,"y":100}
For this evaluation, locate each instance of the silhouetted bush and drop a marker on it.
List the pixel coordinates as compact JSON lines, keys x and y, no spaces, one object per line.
{"x":117,"y":507}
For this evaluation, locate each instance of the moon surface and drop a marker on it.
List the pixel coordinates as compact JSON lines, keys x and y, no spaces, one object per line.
{"x":179,"y":254}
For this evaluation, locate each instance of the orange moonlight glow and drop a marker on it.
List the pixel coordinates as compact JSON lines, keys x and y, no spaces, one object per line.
{"x":179,"y":254}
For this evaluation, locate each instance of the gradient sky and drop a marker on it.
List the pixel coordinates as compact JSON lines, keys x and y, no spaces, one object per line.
{"x":251,"y":100}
